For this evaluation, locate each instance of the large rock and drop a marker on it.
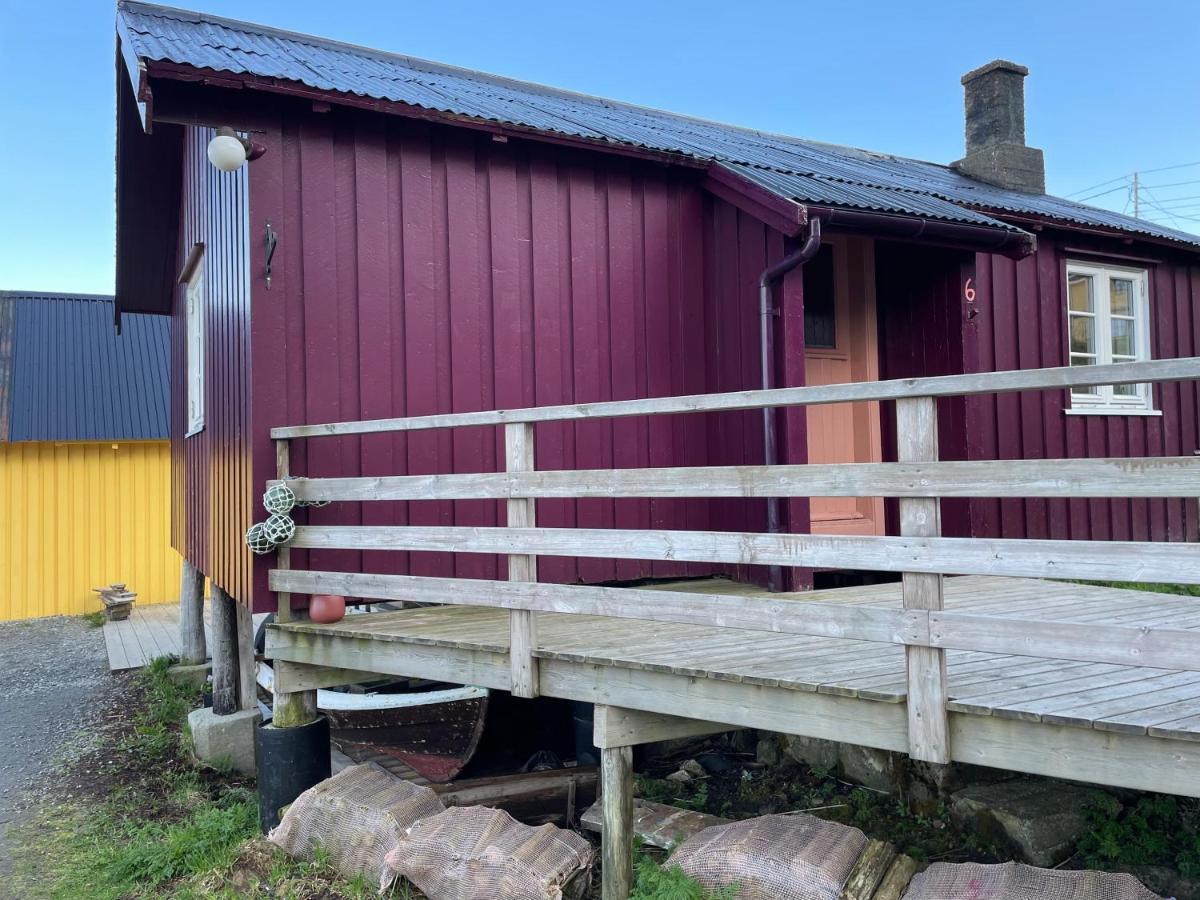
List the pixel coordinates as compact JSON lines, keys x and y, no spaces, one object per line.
{"x":813,"y":752}
{"x":879,"y":770}
{"x":1039,"y":820}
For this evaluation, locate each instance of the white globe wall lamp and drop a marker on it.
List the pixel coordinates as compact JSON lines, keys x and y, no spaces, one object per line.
{"x":229,"y":152}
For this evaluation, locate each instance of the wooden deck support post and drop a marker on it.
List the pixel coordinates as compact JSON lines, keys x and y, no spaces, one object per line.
{"x":519,"y":457}
{"x":193,"y":650}
{"x":247,"y":668}
{"x":225,"y":653}
{"x":615,"y":732}
{"x":928,"y":718}
{"x":616,"y":850}
{"x":283,"y":559}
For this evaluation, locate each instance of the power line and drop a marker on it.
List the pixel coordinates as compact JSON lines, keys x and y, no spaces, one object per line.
{"x":1101,"y":184}
{"x":1175,"y":217}
{"x":1172,"y":184}
{"x":1169,"y":168}
{"x":1126,"y":178}
{"x":1120,"y":187}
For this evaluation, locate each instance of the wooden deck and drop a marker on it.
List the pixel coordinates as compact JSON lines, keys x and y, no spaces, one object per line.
{"x":149,"y":632}
{"x":1115,"y":724}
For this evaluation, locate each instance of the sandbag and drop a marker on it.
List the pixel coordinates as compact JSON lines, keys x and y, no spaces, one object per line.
{"x":475,"y":853}
{"x":1016,"y":881}
{"x":781,"y":857}
{"x":356,"y":817}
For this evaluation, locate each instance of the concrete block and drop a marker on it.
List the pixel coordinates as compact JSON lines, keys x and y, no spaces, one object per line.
{"x":1038,"y":819}
{"x":225,"y":740}
{"x":192,"y":676}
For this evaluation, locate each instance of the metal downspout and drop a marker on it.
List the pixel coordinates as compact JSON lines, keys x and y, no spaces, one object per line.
{"x":766,"y":311}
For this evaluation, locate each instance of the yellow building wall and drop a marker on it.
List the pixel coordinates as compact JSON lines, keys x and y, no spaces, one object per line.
{"x":74,"y":516}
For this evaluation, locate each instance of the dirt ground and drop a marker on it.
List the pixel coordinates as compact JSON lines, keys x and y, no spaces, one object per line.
{"x":56,"y":686}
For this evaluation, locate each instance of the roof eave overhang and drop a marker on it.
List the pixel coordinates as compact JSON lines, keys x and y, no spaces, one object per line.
{"x":284,"y":87}
{"x":1040,"y":223}
{"x":149,"y":173}
{"x":1014,"y":244}
{"x":780,"y":213}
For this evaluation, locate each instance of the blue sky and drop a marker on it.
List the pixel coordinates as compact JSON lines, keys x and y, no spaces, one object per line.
{"x":1114,"y":87}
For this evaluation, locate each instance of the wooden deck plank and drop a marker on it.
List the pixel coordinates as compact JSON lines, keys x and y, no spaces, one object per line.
{"x":163,"y":623}
{"x":1073,"y":711}
{"x":118,"y":659}
{"x":1186,"y":705}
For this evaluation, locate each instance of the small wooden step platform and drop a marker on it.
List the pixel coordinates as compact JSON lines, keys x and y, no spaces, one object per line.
{"x":149,"y":632}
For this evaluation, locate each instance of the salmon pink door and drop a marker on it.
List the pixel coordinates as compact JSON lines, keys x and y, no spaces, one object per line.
{"x":841,"y":344}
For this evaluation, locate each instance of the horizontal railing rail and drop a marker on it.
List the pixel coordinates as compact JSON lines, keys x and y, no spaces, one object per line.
{"x":1151,"y":646}
{"x":1016,"y":557}
{"x":1183,"y":369}
{"x":920,"y":553}
{"x":1155,"y":476}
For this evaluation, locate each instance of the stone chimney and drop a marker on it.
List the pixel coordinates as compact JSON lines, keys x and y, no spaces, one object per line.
{"x":995,"y":117}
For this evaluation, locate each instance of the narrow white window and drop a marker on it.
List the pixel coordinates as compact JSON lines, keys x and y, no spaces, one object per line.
{"x":1108,"y":319}
{"x":195,"y":349}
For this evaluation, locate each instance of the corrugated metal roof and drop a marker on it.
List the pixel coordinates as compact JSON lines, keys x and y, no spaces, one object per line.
{"x":806,"y":171}
{"x":72,"y":378}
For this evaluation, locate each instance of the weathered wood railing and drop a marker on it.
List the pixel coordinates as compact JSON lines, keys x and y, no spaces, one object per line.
{"x":919,"y":553}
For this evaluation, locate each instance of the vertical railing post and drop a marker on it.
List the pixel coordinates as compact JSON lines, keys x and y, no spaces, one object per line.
{"x":283,"y":559}
{"x":518,"y":453}
{"x":921,"y":517}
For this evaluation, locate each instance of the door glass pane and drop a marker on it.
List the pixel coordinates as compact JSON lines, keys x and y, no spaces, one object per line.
{"x":1122,"y":337}
{"x":1121,"y":296}
{"x":820,"y":313}
{"x":1079,"y":293}
{"x":1083,"y":334}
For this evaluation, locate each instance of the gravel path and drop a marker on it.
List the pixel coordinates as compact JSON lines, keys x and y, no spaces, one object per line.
{"x":55,"y":680}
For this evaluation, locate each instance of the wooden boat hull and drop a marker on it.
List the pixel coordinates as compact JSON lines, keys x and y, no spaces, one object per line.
{"x":435,"y":739}
{"x":434,"y":732}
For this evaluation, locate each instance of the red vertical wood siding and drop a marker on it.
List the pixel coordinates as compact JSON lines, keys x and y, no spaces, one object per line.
{"x":210,"y":471}
{"x":423,"y":269}
{"x":1021,"y":323}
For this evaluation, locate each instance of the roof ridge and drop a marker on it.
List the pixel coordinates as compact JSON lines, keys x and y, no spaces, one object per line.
{"x":434,"y":67}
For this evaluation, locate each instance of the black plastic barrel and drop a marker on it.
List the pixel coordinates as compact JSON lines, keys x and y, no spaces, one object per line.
{"x":290,"y":761}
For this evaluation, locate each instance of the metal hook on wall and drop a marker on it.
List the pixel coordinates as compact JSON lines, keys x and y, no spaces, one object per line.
{"x":272,"y":239}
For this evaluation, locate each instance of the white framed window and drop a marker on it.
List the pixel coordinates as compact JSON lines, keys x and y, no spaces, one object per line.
{"x":195,"y":349}
{"x":1108,"y":321}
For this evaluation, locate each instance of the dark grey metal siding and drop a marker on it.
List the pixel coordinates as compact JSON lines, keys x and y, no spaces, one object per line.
{"x":73,"y":378}
{"x":802,"y":170}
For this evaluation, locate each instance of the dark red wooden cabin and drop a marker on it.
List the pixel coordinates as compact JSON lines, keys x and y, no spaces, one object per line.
{"x":446,"y":241}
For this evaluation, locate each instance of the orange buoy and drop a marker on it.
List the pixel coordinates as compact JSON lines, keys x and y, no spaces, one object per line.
{"x":325,"y":609}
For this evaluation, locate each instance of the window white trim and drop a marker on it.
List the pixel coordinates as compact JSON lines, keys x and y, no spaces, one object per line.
{"x":1105,"y":400}
{"x":194,"y":321}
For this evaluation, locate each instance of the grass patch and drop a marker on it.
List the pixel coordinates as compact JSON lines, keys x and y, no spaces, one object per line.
{"x":1184,"y":590}
{"x":655,"y":881}
{"x":1157,"y":830}
{"x":144,"y":820}
{"x":94,"y":619}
